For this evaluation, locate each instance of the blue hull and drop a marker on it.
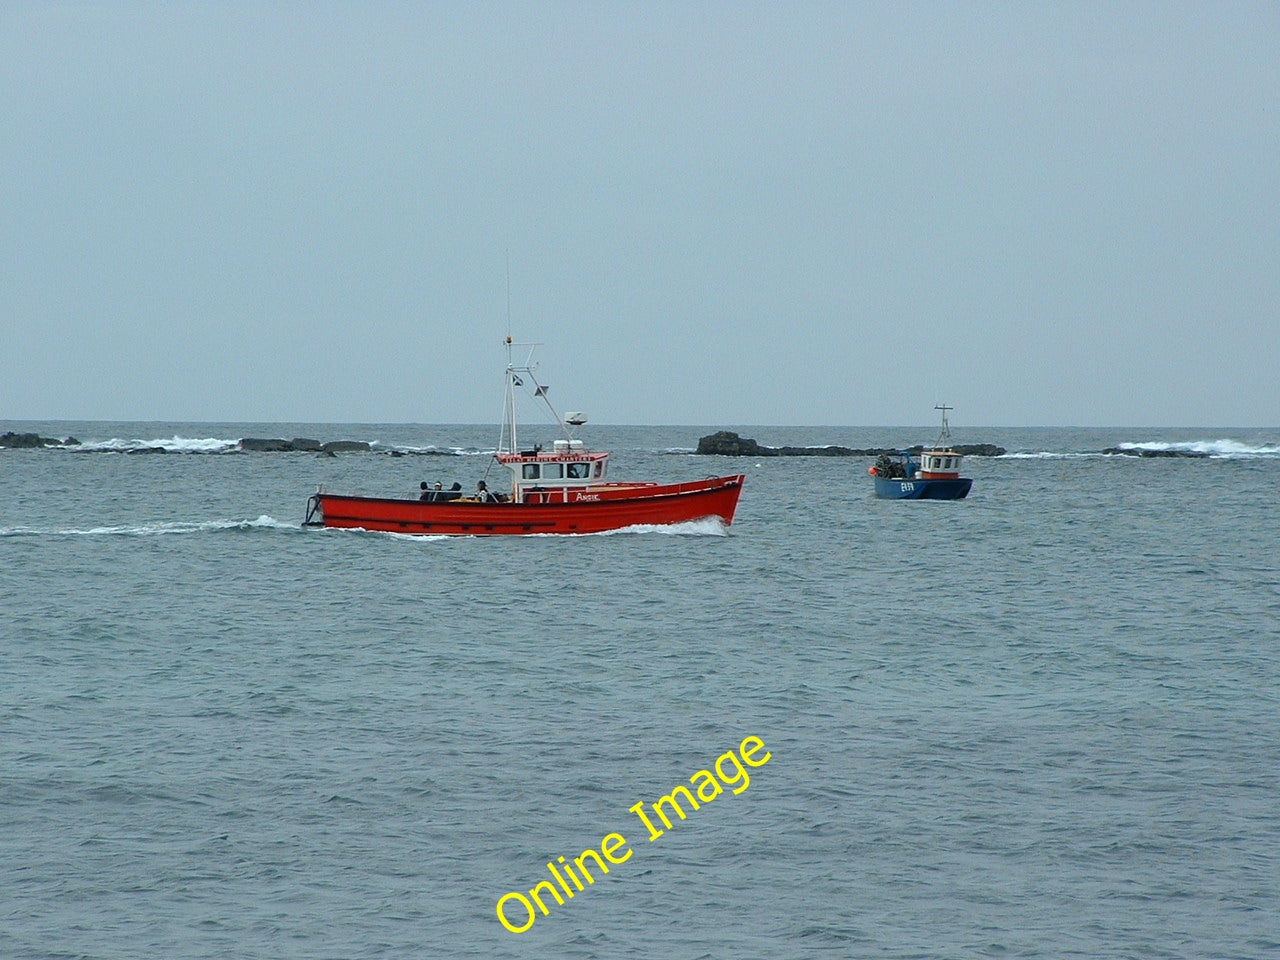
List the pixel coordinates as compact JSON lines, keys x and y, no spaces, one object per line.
{"x":923,"y":489}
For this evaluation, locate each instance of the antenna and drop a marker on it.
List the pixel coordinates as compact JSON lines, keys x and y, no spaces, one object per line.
{"x":508,"y":430}
{"x":946,"y":427}
{"x":508,"y":256}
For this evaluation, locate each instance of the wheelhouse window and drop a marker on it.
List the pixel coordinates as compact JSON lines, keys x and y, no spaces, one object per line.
{"x":552,"y":471}
{"x":530,"y":471}
{"x":578,"y":471}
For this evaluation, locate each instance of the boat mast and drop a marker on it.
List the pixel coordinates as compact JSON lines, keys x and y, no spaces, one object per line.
{"x":515,"y":378}
{"x":945,"y":436}
{"x":509,"y":414}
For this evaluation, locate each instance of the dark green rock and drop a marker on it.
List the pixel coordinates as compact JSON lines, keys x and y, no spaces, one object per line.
{"x":726,"y":443}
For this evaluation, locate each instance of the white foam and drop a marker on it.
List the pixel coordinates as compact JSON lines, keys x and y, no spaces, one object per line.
{"x":398,"y":536}
{"x":171,"y":444}
{"x":705,"y":527}
{"x":1224,"y":447}
{"x":428,"y":450}
{"x":159,"y":528}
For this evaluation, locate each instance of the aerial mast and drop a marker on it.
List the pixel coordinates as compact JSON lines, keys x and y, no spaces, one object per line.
{"x":509,"y":414}
{"x":946,"y":427}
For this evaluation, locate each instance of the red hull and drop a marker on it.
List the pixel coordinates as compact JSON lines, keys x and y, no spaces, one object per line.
{"x":603,"y":507}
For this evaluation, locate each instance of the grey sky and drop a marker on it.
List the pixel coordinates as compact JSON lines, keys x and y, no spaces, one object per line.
{"x":715,"y":213}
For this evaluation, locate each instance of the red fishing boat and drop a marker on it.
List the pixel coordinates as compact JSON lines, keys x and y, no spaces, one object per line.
{"x":561,"y":490}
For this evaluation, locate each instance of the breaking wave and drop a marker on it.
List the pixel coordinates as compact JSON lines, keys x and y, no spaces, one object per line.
{"x":221,"y":445}
{"x":706,"y":527}
{"x":170,"y":444}
{"x":426,"y":451}
{"x":1224,"y":449}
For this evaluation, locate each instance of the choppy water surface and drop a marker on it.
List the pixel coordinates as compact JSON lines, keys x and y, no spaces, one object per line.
{"x":1041,"y":722}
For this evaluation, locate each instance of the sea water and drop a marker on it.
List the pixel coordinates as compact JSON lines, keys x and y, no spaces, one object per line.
{"x":1039,"y":722}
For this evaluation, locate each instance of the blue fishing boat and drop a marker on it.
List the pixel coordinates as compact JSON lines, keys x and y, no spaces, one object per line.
{"x":935,"y":477}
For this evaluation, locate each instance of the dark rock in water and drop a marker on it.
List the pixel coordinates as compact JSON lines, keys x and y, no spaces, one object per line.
{"x":258,"y":445}
{"x":20,"y":441}
{"x":830,"y":450}
{"x":726,"y":443}
{"x":1145,"y":452}
{"x":975,"y":449}
{"x":301,"y":445}
{"x":31,"y":441}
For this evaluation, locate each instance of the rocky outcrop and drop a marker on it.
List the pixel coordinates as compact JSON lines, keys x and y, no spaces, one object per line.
{"x":974,"y":449}
{"x":31,"y":441}
{"x":257,"y":445}
{"x":302,"y":445}
{"x":726,"y":443}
